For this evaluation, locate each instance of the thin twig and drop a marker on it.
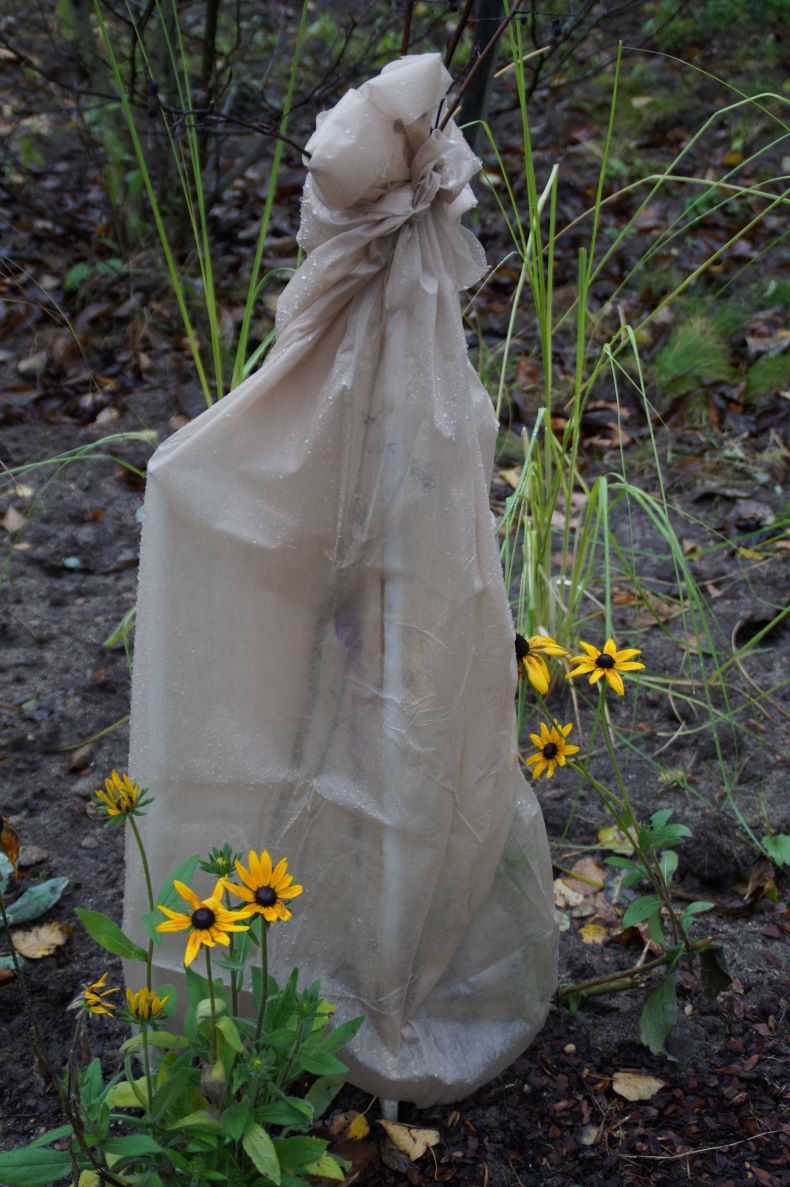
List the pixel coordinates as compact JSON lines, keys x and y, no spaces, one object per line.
{"x":478,"y":63}
{"x":765,"y":1133}
{"x":404,"y":45}
{"x":463,"y":21}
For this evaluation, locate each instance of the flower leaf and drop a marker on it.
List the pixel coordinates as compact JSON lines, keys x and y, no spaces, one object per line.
{"x":658,"y":1017}
{"x":107,"y":933}
{"x":259,"y":1148}
{"x":642,"y":908}
{"x":33,"y":1167}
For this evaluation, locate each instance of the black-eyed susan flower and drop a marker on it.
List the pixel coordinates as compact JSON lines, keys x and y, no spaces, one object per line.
{"x":606,"y":664}
{"x":94,"y":997}
{"x":551,"y":749}
{"x":530,"y":655}
{"x":265,"y":887}
{"x":145,"y":1004}
{"x":209,"y":921}
{"x":120,"y":795}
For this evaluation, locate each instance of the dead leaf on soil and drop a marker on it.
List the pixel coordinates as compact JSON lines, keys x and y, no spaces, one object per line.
{"x":409,"y":1140}
{"x":43,"y":940}
{"x":593,"y":933}
{"x":9,"y":841}
{"x":6,"y":975}
{"x":613,"y":839}
{"x":586,"y":877}
{"x":565,"y":897}
{"x":13,"y":521}
{"x":351,"y":1125}
{"x":636,"y":1085}
{"x":512,"y":477}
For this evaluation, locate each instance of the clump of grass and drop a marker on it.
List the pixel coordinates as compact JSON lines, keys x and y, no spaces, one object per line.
{"x":696,"y":354}
{"x":769,"y":375}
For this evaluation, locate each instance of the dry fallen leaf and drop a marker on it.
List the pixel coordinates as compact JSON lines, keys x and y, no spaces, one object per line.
{"x":409,"y":1140}
{"x":43,"y":940}
{"x":564,"y":896}
{"x":613,"y":839}
{"x":511,"y":477}
{"x":635,"y":1085}
{"x":593,"y":933}
{"x":351,"y":1125}
{"x":13,"y":520}
{"x":586,"y":877}
{"x":9,"y":841}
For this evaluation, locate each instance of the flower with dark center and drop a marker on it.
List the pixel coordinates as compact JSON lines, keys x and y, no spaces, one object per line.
{"x":266,"y":888}
{"x":530,"y":656}
{"x":606,"y":664}
{"x":551,"y":749}
{"x":208,"y":922}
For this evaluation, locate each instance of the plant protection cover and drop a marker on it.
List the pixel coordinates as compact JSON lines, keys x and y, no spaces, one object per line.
{"x":325,"y":664}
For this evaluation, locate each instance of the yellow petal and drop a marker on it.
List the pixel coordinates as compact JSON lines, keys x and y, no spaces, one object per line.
{"x":597,"y":673}
{"x":255,"y":867}
{"x":265,"y":868}
{"x":277,"y":873}
{"x":187,"y":894}
{"x":193,"y":947}
{"x":630,"y":667}
{"x":537,"y":673}
{"x":566,"y":729}
{"x":534,"y":758}
{"x":615,"y":680}
{"x":629,"y":653}
{"x":178,"y":924}
{"x":610,"y":648}
{"x":571,"y":750}
{"x":591,"y":652}
{"x":291,"y":892}
{"x":246,"y":877}
{"x":536,"y":740}
{"x":242,"y":892}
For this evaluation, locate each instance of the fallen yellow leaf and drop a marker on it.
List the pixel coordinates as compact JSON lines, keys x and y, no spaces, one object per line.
{"x":411,"y":1142}
{"x":612,"y":838}
{"x":593,"y":933}
{"x":42,"y":940}
{"x":358,"y":1127}
{"x":635,"y":1085}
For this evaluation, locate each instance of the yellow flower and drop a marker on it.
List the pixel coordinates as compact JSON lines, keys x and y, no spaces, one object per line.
{"x":530,"y":652}
{"x":120,"y":795}
{"x":608,"y":664}
{"x":95,"y":997}
{"x":209,"y":920}
{"x":145,"y":1004}
{"x":551,"y":749}
{"x":265,"y":887}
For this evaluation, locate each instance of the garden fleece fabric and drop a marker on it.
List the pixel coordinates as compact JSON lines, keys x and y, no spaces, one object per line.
{"x":324,"y":662}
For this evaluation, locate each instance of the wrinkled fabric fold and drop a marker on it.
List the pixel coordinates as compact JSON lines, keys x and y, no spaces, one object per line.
{"x":324,"y":661}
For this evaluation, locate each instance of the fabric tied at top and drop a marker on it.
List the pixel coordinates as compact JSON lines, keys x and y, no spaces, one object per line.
{"x":324,"y":661}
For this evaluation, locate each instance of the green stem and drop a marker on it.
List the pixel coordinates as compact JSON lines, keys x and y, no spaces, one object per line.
{"x":649,"y":862}
{"x":150,"y":892}
{"x":213,"y":1007}
{"x":234,"y":984}
{"x":149,"y":1084}
{"x":264,"y":978}
{"x":300,"y":1029}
